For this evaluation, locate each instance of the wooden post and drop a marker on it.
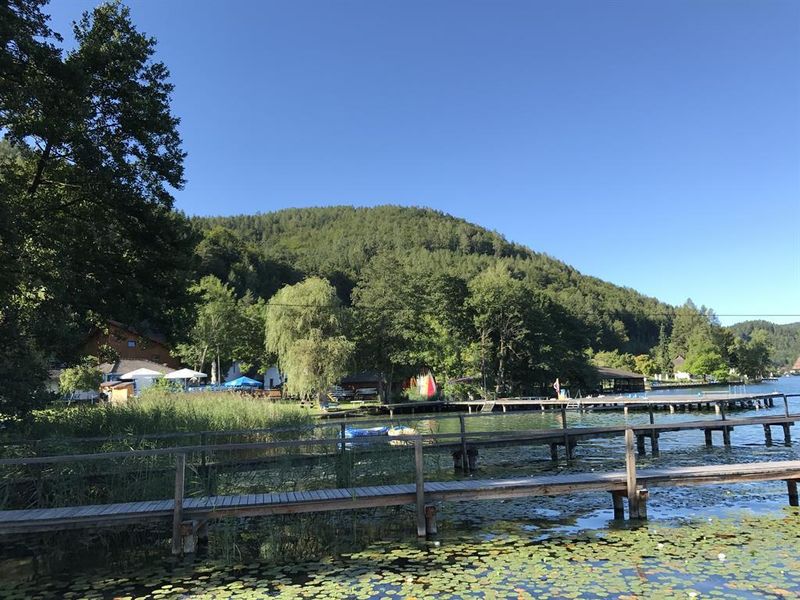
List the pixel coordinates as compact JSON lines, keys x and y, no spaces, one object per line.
{"x":642,"y":496}
{"x":464,"y":462}
{"x":786,"y":405}
{"x":716,"y":407}
{"x":177,"y":512}
{"x":430,"y":519}
{"x":767,"y":434}
{"x":654,"y":443}
{"x":787,"y":437}
{"x":672,"y":408}
{"x":619,"y":508}
{"x":709,"y":441}
{"x":554,"y":452}
{"x":652,"y":416}
{"x":722,"y":410}
{"x":564,"y":427}
{"x":640,"y":445}
{"x":419,"y":467}
{"x":726,"y":436}
{"x":791,"y":484}
{"x":630,"y":470}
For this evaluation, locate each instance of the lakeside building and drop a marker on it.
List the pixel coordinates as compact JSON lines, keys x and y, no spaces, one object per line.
{"x":619,"y":381}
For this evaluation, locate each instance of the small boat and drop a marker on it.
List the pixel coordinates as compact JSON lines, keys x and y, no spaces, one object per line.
{"x":355,"y":432}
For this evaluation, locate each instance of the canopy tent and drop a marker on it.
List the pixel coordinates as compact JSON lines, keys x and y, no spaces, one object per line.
{"x":243,"y":382}
{"x":185,"y":374}
{"x":141,"y":374}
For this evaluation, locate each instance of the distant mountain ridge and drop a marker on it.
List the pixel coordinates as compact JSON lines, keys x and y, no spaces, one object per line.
{"x":338,"y":242}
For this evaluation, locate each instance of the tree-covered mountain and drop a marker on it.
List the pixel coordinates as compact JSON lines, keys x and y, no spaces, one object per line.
{"x":263,"y":251}
{"x":783,"y":339}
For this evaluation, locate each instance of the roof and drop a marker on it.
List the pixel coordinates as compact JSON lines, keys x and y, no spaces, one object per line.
{"x":796,"y":366}
{"x":151,"y":335}
{"x":363,"y":377}
{"x":609,"y":373}
{"x":124,"y":365}
{"x":678,"y":361}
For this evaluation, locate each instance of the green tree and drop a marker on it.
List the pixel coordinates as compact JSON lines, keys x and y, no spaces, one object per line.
{"x":645,"y":365}
{"x":86,"y":220}
{"x":217,"y":328}
{"x":752,"y":356}
{"x":704,"y":357}
{"x":305,"y":330}
{"x":82,"y":377}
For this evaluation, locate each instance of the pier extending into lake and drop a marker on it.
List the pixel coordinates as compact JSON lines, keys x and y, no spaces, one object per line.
{"x":190,"y":515}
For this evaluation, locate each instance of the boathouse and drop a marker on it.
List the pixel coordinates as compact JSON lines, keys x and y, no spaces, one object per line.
{"x":619,"y":381}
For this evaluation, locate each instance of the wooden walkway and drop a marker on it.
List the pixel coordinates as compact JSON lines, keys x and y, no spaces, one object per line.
{"x":215,"y":507}
{"x":671,"y":402}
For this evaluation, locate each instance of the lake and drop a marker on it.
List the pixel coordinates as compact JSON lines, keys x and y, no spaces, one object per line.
{"x":726,"y":542}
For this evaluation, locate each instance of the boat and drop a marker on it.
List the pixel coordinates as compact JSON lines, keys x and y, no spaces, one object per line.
{"x":388,"y":431}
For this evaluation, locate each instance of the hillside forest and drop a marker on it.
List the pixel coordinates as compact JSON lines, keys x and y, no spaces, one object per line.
{"x":90,"y":157}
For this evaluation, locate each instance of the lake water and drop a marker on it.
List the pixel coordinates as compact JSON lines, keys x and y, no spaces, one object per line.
{"x":736,"y":541}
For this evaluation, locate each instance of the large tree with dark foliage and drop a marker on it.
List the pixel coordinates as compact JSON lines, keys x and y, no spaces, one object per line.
{"x":90,"y":155}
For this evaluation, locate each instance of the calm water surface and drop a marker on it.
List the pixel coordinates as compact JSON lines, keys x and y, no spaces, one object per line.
{"x":735,"y":541}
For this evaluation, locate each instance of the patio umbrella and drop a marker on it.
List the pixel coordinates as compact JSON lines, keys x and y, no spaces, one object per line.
{"x":185,"y":374}
{"x":243,"y":382}
{"x":141,"y":374}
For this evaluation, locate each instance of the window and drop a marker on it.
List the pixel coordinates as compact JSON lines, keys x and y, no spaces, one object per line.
{"x":131,"y":343}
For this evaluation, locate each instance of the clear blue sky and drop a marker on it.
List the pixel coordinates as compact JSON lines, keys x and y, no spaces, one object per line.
{"x":652,"y":144}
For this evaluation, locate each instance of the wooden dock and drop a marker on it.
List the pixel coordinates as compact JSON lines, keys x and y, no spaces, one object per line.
{"x":189,"y":515}
{"x":672,"y":402}
{"x":251,"y":505}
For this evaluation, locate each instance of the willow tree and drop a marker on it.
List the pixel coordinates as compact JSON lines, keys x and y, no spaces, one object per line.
{"x":305,"y":330}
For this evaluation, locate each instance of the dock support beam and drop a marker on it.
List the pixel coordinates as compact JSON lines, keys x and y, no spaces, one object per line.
{"x":791,"y":484}
{"x":630,"y":471}
{"x":654,"y":443}
{"x":554,"y":452}
{"x":464,"y":458}
{"x":726,"y":436}
{"x":619,"y":507}
{"x":177,"y":511}
{"x":640,"y":449}
{"x":709,"y":441}
{"x":767,"y":435}
{"x":430,"y":520}
{"x":419,"y":467}
{"x":787,"y":437}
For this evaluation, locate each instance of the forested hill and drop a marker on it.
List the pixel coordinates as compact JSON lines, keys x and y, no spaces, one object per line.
{"x":784,"y":339}
{"x":261,"y":252}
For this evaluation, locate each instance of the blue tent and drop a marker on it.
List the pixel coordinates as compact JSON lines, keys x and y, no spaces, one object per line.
{"x":243,"y":382}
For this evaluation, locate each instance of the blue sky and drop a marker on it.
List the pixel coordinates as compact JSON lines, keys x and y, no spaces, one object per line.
{"x":652,"y":144}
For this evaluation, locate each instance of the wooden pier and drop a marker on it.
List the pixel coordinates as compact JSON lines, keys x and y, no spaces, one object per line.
{"x":190,"y":515}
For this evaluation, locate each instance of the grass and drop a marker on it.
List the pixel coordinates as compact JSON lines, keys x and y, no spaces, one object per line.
{"x":159,"y":411}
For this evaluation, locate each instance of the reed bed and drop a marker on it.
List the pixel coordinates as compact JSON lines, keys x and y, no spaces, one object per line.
{"x":159,"y":411}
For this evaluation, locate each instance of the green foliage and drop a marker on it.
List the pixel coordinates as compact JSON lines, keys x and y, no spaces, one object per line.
{"x":752,"y":356}
{"x":704,"y":357}
{"x":159,"y":410}
{"x":304,"y":329}
{"x":615,"y":360}
{"x":225,"y":329}
{"x":341,"y":243}
{"x":783,"y":340}
{"x":83,"y":377}
{"x":645,"y":365}
{"x":90,"y":153}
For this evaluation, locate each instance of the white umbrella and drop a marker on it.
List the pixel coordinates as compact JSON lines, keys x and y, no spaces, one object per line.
{"x":141,"y":374}
{"x":185,"y":374}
